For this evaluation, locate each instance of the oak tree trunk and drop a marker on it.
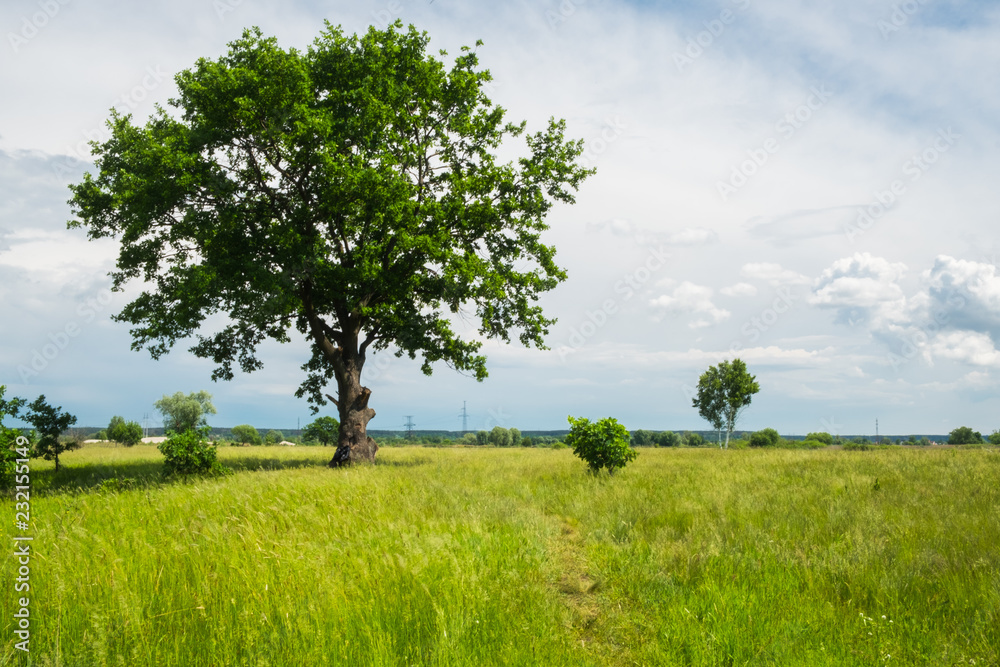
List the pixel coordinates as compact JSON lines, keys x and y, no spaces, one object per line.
{"x":353,"y":445}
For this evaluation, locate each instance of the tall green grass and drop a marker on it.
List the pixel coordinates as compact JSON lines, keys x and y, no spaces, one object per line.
{"x":516,"y":557}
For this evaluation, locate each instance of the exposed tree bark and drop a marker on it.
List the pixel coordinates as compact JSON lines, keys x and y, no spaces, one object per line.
{"x":354,"y":446}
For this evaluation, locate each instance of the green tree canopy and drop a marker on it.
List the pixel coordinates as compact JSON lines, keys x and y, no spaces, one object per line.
{"x":185,"y":413}
{"x":49,"y":422}
{"x":963,"y":435}
{"x":350,"y":191}
{"x":766,"y":437}
{"x":724,"y":391}
{"x":323,"y":430}
{"x":602,"y":444}
{"x":246,"y":434}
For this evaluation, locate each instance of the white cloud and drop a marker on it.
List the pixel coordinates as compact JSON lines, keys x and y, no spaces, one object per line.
{"x":690,"y":236}
{"x":690,"y":299}
{"x":969,"y":347}
{"x":773,"y":274}
{"x":862,"y":287}
{"x":739,"y":289}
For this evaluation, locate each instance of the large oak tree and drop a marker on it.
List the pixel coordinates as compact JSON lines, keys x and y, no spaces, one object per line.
{"x":352,"y":191}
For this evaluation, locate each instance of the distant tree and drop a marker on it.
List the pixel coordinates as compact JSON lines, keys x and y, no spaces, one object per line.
{"x":50,"y":423}
{"x":823,"y":437}
{"x":182,"y":413}
{"x":500,"y":437}
{"x":324,"y":430}
{"x":641,"y":438}
{"x":469,"y":438}
{"x":527,"y":441}
{"x":602,"y":444}
{"x":994,"y":438}
{"x":273,"y":437}
{"x":668,"y":439}
{"x":724,"y":391}
{"x":112,"y":431}
{"x":515,"y":437}
{"x":767,"y":437}
{"x":124,"y":432}
{"x":963,"y":435}
{"x":101,"y":435}
{"x":690,"y":439}
{"x":246,"y":434}
{"x":482,"y":438}
{"x":924,"y":442}
{"x":130,"y":434}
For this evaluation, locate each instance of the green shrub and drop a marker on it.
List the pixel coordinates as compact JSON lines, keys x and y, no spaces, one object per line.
{"x":767,"y":437}
{"x":667,"y":439}
{"x":603,"y":444}
{"x":994,"y":438}
{"x":482,"y":437}
{"x":188,"y":453}
{"x":274,"y":437}
{"x":822,"y":437}
{"x":857,"y":445}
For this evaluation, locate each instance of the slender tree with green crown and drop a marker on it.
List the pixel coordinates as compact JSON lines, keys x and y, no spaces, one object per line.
{"x":351,"y":191}
{"x":724,"y":391}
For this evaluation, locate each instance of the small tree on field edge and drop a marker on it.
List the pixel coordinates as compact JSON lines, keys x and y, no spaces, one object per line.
{"x":245,"y":434}
{"x":724,"y":391}
{"x":602,"y":444}
{"x":50,"y":423}
{"x":324,"y":430}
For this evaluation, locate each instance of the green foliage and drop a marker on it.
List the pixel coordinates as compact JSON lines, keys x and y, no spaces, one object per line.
{"x":641,"y":438}
{"x":527,"y":441}
{"x":602,"y":444}
{"x":482,"y":438}
{"x":246,"y":434}
{"x":351,"y":191}
{"x":963,"y":435}
{"x":273,"y":437}
{"x":124,"y":432}
{"x":324,"y":430}
{"x":515,"y":437}
{"x":858,"y":445}
{"x":767,"y":437}
{"x":101,"y":435}
{"x":184,"y":413}
{"x":499,"y":437}
{"x":188,"y":453}
{"x":668,"y":439}
{"x":50,"y":423}
{"x":724,"y":391}
{"x":468,"y":438}
{"x":8,"y":438}
{"x":822,"y":437}
{"x":994,"y":438}
{"x":690,"y":439}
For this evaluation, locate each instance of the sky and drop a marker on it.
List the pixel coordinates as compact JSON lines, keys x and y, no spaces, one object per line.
{"x":809,"y":187}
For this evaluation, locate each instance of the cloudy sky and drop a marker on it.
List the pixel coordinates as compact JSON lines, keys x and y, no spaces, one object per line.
{"x":810,"y":187}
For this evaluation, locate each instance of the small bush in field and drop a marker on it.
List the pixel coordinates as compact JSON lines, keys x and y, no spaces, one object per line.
{"x":188,"y":453}
{"x":602,"y":444}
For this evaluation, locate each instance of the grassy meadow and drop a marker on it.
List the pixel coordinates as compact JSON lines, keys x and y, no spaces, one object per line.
{"x":515,"y":557}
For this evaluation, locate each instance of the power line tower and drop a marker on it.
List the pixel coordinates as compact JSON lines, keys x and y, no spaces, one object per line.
{"x":409,"y":427}
{"x":876,"y":431}
{"x":465,"y":419}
